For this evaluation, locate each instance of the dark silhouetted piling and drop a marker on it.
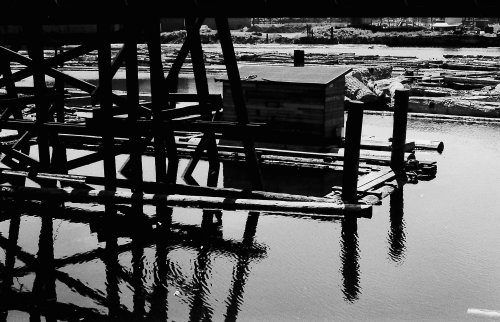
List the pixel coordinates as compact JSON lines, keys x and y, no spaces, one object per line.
{"x":233,"y":75}
{"x":353,"y":129}
{"x":104,"y":63}
{"x":298,"y":58}
{"x":399,"y":129}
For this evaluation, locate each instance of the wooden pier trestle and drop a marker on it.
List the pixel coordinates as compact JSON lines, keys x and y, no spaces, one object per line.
{"x":124,"y":124}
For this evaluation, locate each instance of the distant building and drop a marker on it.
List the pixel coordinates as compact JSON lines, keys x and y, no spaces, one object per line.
{"x":447,"y":24}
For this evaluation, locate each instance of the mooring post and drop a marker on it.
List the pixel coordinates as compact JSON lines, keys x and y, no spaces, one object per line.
{"x":233,"y":75}
{"x":132,"y":83}
{"x":354,"y":126}
{"x":105,"y":93}
{"x":399,"y":129}
{"x":59,"y":157}
{"x":298,"y":58}
{"x":200,"y":77}
{"x":159,"y":99}
{"x":35,"y":51}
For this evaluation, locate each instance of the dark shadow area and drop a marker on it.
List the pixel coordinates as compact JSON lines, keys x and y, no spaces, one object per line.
{"x":302,"y":181}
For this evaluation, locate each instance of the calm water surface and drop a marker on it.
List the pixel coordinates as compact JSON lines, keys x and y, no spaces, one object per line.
{"x":427,"y":254}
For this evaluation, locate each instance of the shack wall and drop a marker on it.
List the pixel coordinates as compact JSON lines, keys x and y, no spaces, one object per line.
{"x":290,"y":107}
{"x":334,"y":108}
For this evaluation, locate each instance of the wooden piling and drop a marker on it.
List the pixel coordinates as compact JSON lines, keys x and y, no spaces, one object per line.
{"x":298,"y":58}
{"x":200,"y":76}
{"x":233,"y":75}
{"x":104,"y":64}
{"x":159,"y":99}
{"x":35,"y":51}
{"x":132,"y":83}
{"x":399,"y":129}
{"x":354,"y":125}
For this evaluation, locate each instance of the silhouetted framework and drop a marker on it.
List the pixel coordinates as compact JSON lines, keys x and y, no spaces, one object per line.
{"x":144,"y":121}
{"x":127,"y":125}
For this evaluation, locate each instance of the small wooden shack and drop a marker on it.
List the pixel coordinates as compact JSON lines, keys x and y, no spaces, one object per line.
{"x":297,"y":103}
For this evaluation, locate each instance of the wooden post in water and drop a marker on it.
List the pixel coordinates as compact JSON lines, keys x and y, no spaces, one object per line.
{"x":399,"y":130}
{"x":35,"y":51}
{"x":233,"y":74}
{"x":133,"y":102}
{"x":158,"y":99}
{"x":208,"y":140}
{"x":298,"y":58}
{"x":353,"y":129}
{"x":105,"y":92}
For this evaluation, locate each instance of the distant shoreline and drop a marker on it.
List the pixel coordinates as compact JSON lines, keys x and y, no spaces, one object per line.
{"x":421,"y":38}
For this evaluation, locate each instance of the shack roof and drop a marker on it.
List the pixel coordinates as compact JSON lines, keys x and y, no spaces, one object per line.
{"x":320,"y":75}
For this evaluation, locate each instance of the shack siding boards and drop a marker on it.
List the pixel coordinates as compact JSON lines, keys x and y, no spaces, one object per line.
{"x":314,"y":109}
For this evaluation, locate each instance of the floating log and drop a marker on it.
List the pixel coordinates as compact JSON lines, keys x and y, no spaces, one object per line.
{"x":453,"y":106}
{"x":471,"y":80}
{"x":416,"y":90}
{"x":484,"y":313}
{"x":461,"y":66}
{"x":356,"y":90}
{"x":429,"y":145}
{"x":171,"y":188}
{"x":384,"y":145}
{"x":204,"y":202}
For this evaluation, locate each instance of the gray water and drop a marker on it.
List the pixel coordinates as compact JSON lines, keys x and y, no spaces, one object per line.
{"x":428,"y":254}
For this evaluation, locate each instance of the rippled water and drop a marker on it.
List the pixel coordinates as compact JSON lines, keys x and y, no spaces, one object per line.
{"x":428,"y":253}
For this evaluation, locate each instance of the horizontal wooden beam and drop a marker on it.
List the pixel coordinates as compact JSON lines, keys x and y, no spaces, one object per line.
{"x":328,"y":209}
{"x":156,"y":187}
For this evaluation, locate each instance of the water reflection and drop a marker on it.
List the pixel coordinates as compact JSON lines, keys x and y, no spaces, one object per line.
{"x":155,"y":275}
{"x":397,"y":236}
{"x":113,"y":225}
{"x":349,"y":256}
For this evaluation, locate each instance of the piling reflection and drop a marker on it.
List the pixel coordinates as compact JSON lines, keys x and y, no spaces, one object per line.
{"x":349,"y":256}
{"x":397,"y":237}
{"x":241,"y":271}
{"x":159,"y":307}
{"x":126,"y":230}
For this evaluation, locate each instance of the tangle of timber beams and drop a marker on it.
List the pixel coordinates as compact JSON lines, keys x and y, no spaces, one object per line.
{"x":170,"y":83}
{"x":52,"y":72}
{"x":208,"y":140}
{"x":47,"y":63}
